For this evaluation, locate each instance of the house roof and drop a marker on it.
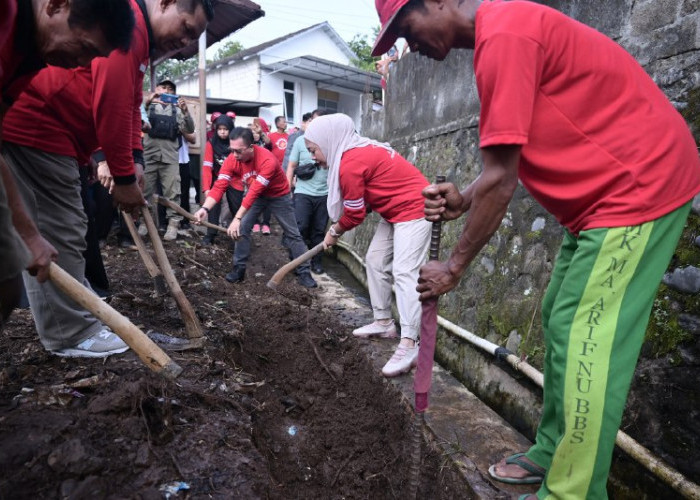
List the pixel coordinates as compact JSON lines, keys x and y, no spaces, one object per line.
{"x":328,"y":74}
{"x":259,"y":49}
{"x":229,"y":17}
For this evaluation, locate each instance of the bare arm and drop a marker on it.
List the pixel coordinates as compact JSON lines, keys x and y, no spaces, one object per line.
{"x":486,"y":199}
{"x":191,"y":138}
{"x":291,"y":167}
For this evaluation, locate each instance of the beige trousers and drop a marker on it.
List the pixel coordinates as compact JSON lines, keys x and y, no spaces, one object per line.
{"x":394,"y":257}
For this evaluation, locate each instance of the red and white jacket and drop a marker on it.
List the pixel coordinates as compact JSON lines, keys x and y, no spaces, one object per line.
{"x":263,"y":176}
{"x":208,"y":169}
{"x":383,"y":180}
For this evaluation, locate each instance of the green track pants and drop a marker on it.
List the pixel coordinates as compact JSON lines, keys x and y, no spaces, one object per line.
{"x":594,"y":317}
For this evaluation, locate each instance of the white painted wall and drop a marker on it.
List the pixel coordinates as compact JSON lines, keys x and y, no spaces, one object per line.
{"x":245,"y":80}
{"x":317,"y":43}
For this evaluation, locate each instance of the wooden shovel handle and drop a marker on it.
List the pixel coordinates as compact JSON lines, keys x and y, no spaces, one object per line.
{"x":152,"y":355}
{"x":185,"y":213}
{"x":192,"y":325}
{"x":290,"y":266}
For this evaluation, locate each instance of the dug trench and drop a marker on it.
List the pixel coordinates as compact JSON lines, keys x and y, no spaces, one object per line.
{"x":279,"y":403}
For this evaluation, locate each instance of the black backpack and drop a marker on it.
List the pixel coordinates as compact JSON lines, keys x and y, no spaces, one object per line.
{"x":163,"y":126}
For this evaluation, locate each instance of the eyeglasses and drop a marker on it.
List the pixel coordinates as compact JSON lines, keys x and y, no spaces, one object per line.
{"x":238,"y":151}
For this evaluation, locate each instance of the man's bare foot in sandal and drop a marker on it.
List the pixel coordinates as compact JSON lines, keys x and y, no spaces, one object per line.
{"x":517,"y":469}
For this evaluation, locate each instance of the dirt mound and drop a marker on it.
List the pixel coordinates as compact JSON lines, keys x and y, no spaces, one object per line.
{"x":280,"y":402}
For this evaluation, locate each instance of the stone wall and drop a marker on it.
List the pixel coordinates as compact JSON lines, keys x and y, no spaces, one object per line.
{"x":431,"y":117}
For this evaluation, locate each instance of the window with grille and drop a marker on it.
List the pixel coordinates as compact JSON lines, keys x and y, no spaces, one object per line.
{"x":289,"y":101}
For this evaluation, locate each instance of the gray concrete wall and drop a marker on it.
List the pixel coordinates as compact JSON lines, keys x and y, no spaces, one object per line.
{"x":431,"y":117}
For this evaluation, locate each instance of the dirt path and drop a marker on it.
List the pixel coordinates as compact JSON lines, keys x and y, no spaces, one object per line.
{"x":280,"y":403}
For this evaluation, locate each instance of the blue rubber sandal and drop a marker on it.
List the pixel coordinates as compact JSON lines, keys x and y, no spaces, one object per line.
{"x":536,"y":472}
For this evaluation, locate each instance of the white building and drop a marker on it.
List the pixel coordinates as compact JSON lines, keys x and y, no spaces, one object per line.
{"x":298,"y":72}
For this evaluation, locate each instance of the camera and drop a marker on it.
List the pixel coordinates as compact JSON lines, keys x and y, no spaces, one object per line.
{"x":169,"y":98}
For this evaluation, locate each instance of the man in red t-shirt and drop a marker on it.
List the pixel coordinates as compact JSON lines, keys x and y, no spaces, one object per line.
{"x":279,"y":138}
{"x":32,"y":34}
{"x":573,"y":116}
{"x":79,"y":111}
{"x":267,"y":188}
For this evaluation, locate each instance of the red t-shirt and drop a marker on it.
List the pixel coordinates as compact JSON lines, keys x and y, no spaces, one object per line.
{"x":19,"y":57}
{"x":82,"y":109}
{"x":279,"y":144}
{"x":383,"y":180}
{"x":208,"y":170}
{"x":263,"y":176}
{"x":601,"y":144}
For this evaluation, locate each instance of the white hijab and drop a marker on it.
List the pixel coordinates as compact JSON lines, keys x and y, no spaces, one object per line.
{"x":334,"y":135}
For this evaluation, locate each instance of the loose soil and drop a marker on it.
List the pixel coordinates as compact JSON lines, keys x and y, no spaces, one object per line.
{"x":279,"y":403}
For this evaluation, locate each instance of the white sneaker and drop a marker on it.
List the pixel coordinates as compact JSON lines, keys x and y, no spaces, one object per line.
{"x":386,"y":332}
{"x":402,"y":361}
{"x":104,"y":343}
{"x":143,"y":230}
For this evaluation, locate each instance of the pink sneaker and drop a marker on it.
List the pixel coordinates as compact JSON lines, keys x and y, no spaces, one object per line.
{"x":256,"y":228}
{"x":265,"y":229}
{"x":402,"y":361}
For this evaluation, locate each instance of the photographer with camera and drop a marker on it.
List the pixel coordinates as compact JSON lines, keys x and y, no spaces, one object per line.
{"x":310,"y":193}
{"x":169,"y":118}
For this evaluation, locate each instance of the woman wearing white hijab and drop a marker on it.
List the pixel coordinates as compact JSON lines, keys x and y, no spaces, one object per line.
{"x":364,"y":173}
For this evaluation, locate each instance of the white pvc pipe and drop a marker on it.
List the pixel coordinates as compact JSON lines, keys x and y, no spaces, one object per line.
{"x":653,"y":464}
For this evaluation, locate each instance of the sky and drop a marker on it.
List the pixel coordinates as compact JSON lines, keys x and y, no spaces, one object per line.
{"x":348,"y":18}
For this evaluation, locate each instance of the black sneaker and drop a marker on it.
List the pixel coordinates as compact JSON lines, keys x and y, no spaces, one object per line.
{"x":127,"y":244}
{"x":317,"y":268}
{"x":238,"y":275}
{"x":208,"y":241}
{"x":306,"y":280}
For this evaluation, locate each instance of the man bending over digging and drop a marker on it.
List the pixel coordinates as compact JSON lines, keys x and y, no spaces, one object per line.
{"x":575,"y":118}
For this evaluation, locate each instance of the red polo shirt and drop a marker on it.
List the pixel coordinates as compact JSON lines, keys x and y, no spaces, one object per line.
{"x":263,"y":176}
{"x":83,"y":109}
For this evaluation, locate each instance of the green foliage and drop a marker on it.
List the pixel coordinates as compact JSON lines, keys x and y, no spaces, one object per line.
{"x":362,"y":48}
{"x":174,"y":68}
{"x":228,"y":49}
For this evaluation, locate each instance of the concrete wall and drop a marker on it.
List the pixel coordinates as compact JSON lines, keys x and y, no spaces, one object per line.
{"x":431,"y":117}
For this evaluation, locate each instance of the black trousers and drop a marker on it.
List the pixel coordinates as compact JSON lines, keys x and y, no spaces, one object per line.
{"x":94,"y":267}
{"x":185,"y":182}
{"x":312,"y":219}
{"x":234,"y":198}
{"x":265,"y":216}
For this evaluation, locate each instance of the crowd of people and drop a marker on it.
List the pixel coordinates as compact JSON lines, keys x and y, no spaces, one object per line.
{"x":565,"y":111}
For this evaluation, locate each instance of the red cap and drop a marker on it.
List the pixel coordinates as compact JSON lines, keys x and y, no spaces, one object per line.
{"x":387,"y":10}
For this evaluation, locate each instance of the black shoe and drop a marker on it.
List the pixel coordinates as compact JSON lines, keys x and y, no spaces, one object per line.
{"x":317,"y":268}
{"x":127,"y":244}
{"x":208,"y":241}
{"x":185,"y":225}
{"x":237,"y":275}
{"x":306,"y":280}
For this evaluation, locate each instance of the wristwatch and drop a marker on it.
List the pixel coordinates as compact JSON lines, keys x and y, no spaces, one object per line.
{"x":334,"y":233}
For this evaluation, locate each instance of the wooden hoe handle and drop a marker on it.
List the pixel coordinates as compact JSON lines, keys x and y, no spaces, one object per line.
{"x":185,"y":213}
{"x":152,"y":355}
{"x":290,"y":266}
